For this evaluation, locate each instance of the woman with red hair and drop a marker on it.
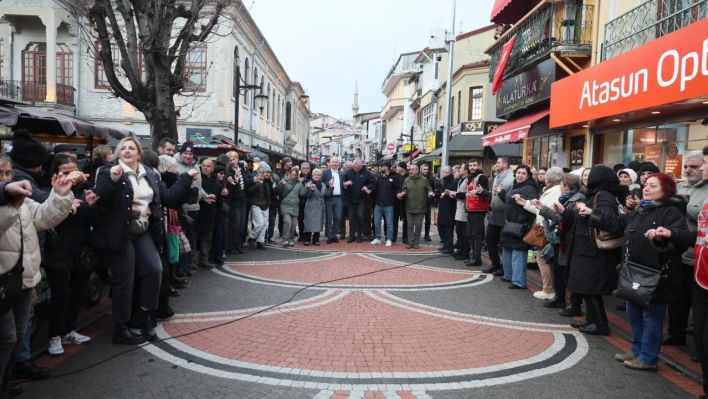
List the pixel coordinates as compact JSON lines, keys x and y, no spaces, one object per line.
{"x":660,"y":207}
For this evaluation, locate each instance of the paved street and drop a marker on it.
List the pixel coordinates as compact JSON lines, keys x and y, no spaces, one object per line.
{"x":408,"y":325}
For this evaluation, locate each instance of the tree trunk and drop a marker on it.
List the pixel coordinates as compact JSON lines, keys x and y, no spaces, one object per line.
{"x":162,"y":117}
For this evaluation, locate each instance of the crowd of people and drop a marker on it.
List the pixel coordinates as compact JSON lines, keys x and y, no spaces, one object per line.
{"x":154,"y":218}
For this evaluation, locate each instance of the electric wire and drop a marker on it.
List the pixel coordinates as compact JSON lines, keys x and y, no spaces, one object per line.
{"x":292,"y":297}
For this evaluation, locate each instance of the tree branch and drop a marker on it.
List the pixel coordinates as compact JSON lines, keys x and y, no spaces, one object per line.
{"x":125,"y":61}
{"x":126,"y":11}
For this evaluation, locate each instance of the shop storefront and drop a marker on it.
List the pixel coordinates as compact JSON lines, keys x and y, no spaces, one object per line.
{"x":652,"y":112}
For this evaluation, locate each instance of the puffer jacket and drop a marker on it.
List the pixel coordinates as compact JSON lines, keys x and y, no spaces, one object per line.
{"x":516,"y":213}
{"x":184,"y":168}
{"x":548,"y":197}
{"x":461,"y":209}
{"x":35,"y":217}
{"x":291,"y":193}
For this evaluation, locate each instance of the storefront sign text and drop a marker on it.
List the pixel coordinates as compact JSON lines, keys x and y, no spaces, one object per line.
{"x":526,"y":88}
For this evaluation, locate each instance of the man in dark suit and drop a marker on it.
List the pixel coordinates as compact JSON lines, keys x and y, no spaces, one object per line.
{"x":358,"y":184}
{"x":333,"y":205}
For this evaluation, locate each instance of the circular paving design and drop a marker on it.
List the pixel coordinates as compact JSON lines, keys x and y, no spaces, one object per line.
{"x":357,"y":336}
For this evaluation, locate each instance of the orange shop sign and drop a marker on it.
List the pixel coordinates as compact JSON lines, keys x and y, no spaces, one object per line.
{"x":666,"y":70}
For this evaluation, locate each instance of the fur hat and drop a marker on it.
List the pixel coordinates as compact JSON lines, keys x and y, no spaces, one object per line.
{"x":632,"y":174}
{"x":27,"y":151}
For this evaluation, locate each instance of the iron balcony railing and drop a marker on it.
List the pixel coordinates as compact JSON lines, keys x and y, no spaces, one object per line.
{"x":406,"y":63}
{"x":648,"y":21}
{"x":555,"y":25}
{"x":35,"y":92}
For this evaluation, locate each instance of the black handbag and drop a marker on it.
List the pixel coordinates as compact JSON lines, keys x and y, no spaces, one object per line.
{"x":513,"y":229}
{"x":89,"y":260}
{"x":11,"y":281}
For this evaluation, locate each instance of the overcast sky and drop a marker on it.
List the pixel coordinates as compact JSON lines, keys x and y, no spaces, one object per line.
{"x":329,"y":44}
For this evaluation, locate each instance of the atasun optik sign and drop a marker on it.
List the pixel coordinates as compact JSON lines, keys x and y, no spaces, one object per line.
{"x":669,"y":69}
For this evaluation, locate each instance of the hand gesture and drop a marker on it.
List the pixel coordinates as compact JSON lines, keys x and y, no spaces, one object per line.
{"x":498,"y":188}
{"x":431,"y":194}
{"x":347,"y":183}
{"x":537,"y":204}
{"x":257,"y":179}
{"x":331,"y":182}
{"x":659,"y":234}
{"x":582,"y":209}
{"x":401,"y":194}
{"x":116,"y":172}
{"x":311,"y":187}
{"x":75,"y":204}
{"x":446,"y":193}
{"x":519,"y":201}
{"x":76,"y":177}
{"x":478,"y":190}
{"x":61,"y":185}
{"x":210,"y":199}
{"x":302,"y":179}
{"x":91,"y":197}
{"x":366,"y":190}
{"x":193,"y":173}
{"x":632,"y":201}
{"x":281,"y":182}
{"x":224,"y":192}
{"x":231,"y":180}
{"x":17,"y":192}
{"x":558,"y":207}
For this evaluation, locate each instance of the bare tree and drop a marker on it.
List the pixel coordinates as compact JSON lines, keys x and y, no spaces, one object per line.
{"x":153,"y":41}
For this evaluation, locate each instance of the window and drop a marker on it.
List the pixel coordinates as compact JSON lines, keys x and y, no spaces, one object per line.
{"x":429,"y":118}
{"x":475,"y":111}
{"x":268,"y":107}
{"x":288,"y":116}
{"x":452,"y":110}
{"x":246,"y":75}
{"x":195,"y":68}
{"x":34,"y":71}
{"x":278,"y":117}
{"x":459,"y":105}
{"x":262,"y":81}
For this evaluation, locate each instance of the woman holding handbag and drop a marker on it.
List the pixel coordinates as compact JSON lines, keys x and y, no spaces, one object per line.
{"x":517,"y":223}
{"x":644,"y":248}
{"x":593,"y":271}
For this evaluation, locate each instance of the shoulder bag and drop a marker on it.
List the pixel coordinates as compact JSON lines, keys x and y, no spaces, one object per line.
{"x":536,"y":237}
{"x":636,"y":283}
{"x":11,"y":281}
{"x":513,"y":229}
{"x":603,"y":239}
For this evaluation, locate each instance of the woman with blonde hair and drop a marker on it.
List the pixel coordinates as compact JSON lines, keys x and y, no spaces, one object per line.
{"x":131,"y":234}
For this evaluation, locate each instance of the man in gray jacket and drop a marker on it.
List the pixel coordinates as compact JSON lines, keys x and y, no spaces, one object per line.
{"x":185,"y":162}
{"x":697,"y":190}
{"x":502,"y":181}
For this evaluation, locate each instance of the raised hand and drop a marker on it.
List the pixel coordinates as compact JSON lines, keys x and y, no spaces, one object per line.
{"x":331,"y":182}
{"x":17,"y":192}
{"x":519,"y":200}
{"x":231,"y":180}
{"x":91,"y":197}
{"x":582,"y":209}
{"x":558,"y":207}
{"x":75,"y":205}
{"x":537,"y":204}
{"x":116,"y":172}
{"x":193,"y":173}
{"x":62,"y":185}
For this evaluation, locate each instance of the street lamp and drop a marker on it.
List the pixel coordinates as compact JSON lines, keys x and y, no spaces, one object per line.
{"x":259,"y":100}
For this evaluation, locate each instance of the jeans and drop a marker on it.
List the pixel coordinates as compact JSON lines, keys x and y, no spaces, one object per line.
{"x":25,"y":353}
{"x":447,"y":233}
{"x":475,"y":232}
{"x":204,"y":243}
{"x":462,"y":243}
{"x":493,"y":237}
{"x":679,"y":310}
{"x":415,"y":224}
{"x":387,"y":213}
{"x":237,"y":230}
{"x":13,"y":325}
{"x":68,"y":292}
{"x":515,"y":266}
{"x":647,"y":331}
{"x":333,"y":214}
{"x":140,"y":255}
{"x":356,"y":218}
{"x":260,"y":224}
{"x":289,"y":223}
{"x":700,"y":330}
{"x":272,"y":213}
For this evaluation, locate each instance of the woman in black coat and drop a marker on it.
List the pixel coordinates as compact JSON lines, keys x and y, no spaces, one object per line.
{"x":515,"y":250}
{"x":446,"y":210}
{"x":659,"y":208}
{"x":131,"y":233}
{"x":67,"y":275}
{"x":593,"y":271}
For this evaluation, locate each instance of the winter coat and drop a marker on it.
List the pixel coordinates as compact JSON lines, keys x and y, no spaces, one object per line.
{"x":593,"y":271}
{"x":208,"y":212}
{"x":181,"y":169}
{"x":670,"y":214}
{"x":41,"y":184}
{"x":417,"y":189}
{"x":431,"y":181}
{"x":359,"y":180}
{"x":516,"y":213}
{"x":315,"y":207}
{"x":327,"y":175}
{"x":115,"y":206}
{"x":386,"y":188}
{"x":447,"y":206}
{"x":566,"y":232}
{"x":497,"y":206}
{"x":697,"y":195}
{"x":237,"y":194}
{"x":290,"y":195}
{"x":35,"y":218}
{"x":64,"y":243}
{"x":461,"y":193}
{"x":548,"y":197}
{"x":261,"y":194}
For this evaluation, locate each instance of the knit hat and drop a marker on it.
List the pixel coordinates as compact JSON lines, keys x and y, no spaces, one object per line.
{"x":264,"y":167}
{"x":632,"y":174}
{"x":648,"y":167}
{"x":187,"y":146}
{"x":403,"y":165}
{"x":27,"y":151}
{"x":219,"y":169}
{"x":387,"y":164}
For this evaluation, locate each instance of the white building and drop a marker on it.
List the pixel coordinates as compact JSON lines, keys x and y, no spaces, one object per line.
{"x":45,"y":63}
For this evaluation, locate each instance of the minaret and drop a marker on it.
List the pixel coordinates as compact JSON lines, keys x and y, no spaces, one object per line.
{"x":355,"y":106}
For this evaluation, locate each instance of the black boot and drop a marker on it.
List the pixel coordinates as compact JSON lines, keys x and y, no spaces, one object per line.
{"x":26,"y":370}
{"x":143,"y":318}
{"x":570,"y":311}
{"x":554,"y":303}
{"x":123,"y":336}
{"x":594,"y":329}
{"x":14,"y":389}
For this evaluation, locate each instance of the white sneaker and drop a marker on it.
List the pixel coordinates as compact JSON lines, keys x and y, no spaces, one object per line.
{"x":376,"y":242}
{"x":543,"y":295}
{"x":388,"y":243}
{"x":55,"y":348}
{"x":75,"y":338}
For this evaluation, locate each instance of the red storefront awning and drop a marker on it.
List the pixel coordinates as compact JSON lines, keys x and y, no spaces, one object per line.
{"x":510,"y":11}
{"x":515,"y":130}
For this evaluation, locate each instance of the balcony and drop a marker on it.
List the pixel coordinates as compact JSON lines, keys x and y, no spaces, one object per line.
{"x":648,"y":21}
{"x":35,"y":92}
{"x":405,"y":65}
{"x":553,"y":25}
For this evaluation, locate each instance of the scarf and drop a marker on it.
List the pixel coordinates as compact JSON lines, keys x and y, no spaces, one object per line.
{"x":565,"y":197}
{"x":318,"y":184}
{"x":644,"y":203}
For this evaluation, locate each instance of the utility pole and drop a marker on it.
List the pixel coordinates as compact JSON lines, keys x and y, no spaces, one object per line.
{"x":448,"y":92}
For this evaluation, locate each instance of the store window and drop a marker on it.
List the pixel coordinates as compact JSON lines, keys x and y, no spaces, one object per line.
{"x":545,"y":152}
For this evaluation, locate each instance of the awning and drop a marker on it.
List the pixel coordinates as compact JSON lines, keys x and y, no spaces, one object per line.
{"x":509,"y":150}
{"x":387,"y":157}
{"x":516,"y":129}
{"x":510,"y":11}
{"x":429,"y":156}
{"x":466,"y":145}
{"x":255,"y":153}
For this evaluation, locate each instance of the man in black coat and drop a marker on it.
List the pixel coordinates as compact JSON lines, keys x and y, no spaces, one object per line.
{"x":207,"y":213}
{"x":358,"y":184}
{"x":399,"y":211}
{"x":425,"y":171}
{"x":386,"y":188}
{"x":238,"y":212}
{"x":305,"y":176}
